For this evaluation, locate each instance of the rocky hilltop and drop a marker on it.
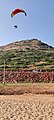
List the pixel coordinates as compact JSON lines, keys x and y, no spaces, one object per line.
{"x":24,"y":45}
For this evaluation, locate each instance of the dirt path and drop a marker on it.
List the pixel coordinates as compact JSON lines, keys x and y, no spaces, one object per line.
{"x":19,"y":89}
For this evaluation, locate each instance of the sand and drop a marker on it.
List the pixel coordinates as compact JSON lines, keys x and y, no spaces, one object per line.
{"x":27,"y":107}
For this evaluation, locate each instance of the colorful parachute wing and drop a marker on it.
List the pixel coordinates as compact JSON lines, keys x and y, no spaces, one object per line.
{"x":17,"y":11}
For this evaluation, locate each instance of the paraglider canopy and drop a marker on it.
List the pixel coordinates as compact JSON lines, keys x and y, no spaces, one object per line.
{"x":17,"y":11}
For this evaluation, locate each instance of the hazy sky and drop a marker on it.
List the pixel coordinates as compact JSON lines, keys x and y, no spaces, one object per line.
{"x":39,"y":22}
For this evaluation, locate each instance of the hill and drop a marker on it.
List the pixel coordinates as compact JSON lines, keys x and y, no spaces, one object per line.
{"x":27,"y":55}
{"x":25,"y":45}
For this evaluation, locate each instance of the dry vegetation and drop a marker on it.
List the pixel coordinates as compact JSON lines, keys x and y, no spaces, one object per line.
{"x":27,"y":76}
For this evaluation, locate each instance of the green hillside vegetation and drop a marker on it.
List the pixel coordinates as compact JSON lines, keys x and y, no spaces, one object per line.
{"x":27,"y":60}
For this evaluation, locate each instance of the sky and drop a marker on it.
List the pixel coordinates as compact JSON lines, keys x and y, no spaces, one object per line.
{"x":38,"y":24}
